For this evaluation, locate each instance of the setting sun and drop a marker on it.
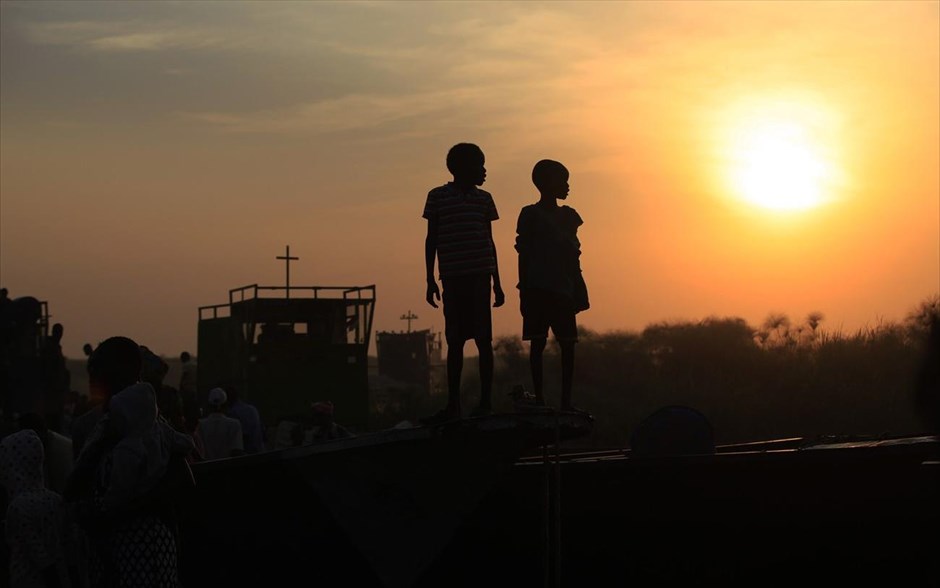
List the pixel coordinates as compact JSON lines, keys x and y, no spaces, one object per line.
{"x":779,"y":155}
{"x":777,"y":167}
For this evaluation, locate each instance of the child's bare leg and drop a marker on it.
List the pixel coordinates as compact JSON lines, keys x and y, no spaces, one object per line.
{"x":536,"y":347}
{"x":486,"y":373}
{"x":567,"y":372}
{"x":454,"y":371}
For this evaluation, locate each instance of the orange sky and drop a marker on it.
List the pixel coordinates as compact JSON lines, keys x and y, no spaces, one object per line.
{"x":155,"y":155}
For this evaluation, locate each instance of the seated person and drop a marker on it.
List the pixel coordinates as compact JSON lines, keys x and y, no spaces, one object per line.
{"x":321,"y":426}
{"x":316,"y":427}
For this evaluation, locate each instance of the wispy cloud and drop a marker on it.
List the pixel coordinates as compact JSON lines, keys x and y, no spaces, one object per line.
{"x":177,"y":71}
{"x":66,"y":32}
{"x":153,"y":41}
{"x":351,"y":112}
{"x":128,"y":36}
{"x":468,"y":71}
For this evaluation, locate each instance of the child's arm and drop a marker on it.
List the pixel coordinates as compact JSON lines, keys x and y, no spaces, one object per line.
{"x":498,"y":295}
{"x":430,"y":250}
{"x":522,"y":246}
{"x":522,"y":266}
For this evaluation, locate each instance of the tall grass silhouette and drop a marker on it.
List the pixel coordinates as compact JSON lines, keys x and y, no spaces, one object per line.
{"x":784,"y":378}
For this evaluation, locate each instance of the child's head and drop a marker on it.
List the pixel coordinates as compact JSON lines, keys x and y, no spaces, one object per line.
{"x":551,"y":179}
{"x":465,"y":161}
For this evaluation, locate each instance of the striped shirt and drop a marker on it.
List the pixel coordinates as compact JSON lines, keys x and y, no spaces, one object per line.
{"x":464,"y":244}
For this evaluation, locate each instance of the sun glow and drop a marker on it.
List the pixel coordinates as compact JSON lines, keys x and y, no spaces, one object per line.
{"x":777,"y":156}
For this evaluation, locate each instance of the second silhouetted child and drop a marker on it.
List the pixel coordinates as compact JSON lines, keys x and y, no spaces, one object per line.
{"x":551,"y":288}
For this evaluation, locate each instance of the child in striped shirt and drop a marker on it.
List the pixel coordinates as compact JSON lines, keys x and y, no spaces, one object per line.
{"x":459,"y":217}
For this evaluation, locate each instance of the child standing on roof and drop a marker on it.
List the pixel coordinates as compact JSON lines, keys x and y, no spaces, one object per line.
{"x":459,"y":217}
{"x":551,"y":288}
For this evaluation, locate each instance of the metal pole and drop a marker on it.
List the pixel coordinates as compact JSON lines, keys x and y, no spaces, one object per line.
{"x":546,"y":518}
{"x":557,"y":501}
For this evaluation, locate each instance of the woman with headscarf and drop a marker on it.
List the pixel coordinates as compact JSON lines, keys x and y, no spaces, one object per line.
{"x":125,"y":481}
{"x":131,"y":523}
{"x":37,"y":532}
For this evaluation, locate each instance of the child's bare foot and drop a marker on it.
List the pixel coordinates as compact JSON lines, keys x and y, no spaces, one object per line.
{"x":441,"y":416}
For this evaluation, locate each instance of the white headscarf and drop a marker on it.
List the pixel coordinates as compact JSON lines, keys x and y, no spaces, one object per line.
{"x":141,"y":456}
{"x":35,"y":517}
{"x":21,"y":459}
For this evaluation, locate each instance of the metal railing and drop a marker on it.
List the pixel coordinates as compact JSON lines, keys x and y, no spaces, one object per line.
{"x":255,"y":291}
{"x":354,"y":296}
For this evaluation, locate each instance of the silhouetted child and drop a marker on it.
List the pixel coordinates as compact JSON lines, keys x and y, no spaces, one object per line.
{"x":460,"y":235}
{"x":551,"y":288}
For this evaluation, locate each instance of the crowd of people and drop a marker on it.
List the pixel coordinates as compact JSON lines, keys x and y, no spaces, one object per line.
{"x":92,"y":484}
{"x":98,"y":509}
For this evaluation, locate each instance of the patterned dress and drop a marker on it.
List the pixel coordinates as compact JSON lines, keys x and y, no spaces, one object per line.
{"x":136,"y":551}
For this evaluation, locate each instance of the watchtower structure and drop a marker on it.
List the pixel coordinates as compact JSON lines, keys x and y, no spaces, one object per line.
{"x":409,"y":357}
{"x":286,"y":346}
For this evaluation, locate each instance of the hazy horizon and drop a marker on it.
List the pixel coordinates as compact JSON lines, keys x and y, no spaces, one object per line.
{"x":729,"y":159}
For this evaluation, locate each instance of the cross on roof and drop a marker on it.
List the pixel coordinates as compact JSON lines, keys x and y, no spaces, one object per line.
{"x":287,"y":259}
{"x":409,"y":317}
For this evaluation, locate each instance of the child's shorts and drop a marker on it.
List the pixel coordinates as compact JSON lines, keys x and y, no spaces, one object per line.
{"x":467,"y":310}
{"x":544,"y":309}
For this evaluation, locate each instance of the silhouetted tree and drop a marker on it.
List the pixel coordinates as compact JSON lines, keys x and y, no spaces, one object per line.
{"x":751,"y":383}
{"x":920,"y":320}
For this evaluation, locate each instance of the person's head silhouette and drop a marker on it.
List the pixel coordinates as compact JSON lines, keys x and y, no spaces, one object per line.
{"x":466,"y":162}
{"x":113,"y":366}
{"x":551,"y":179}
{"x":57,"y":331}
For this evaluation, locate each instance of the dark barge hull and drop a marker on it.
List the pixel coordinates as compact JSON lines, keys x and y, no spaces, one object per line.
{"x":374,"y":510}
{"x":785,"y":514}
{"x":454,"y":507}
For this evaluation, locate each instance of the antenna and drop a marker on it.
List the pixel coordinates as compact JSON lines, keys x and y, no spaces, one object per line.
{"x":410,"y":316}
